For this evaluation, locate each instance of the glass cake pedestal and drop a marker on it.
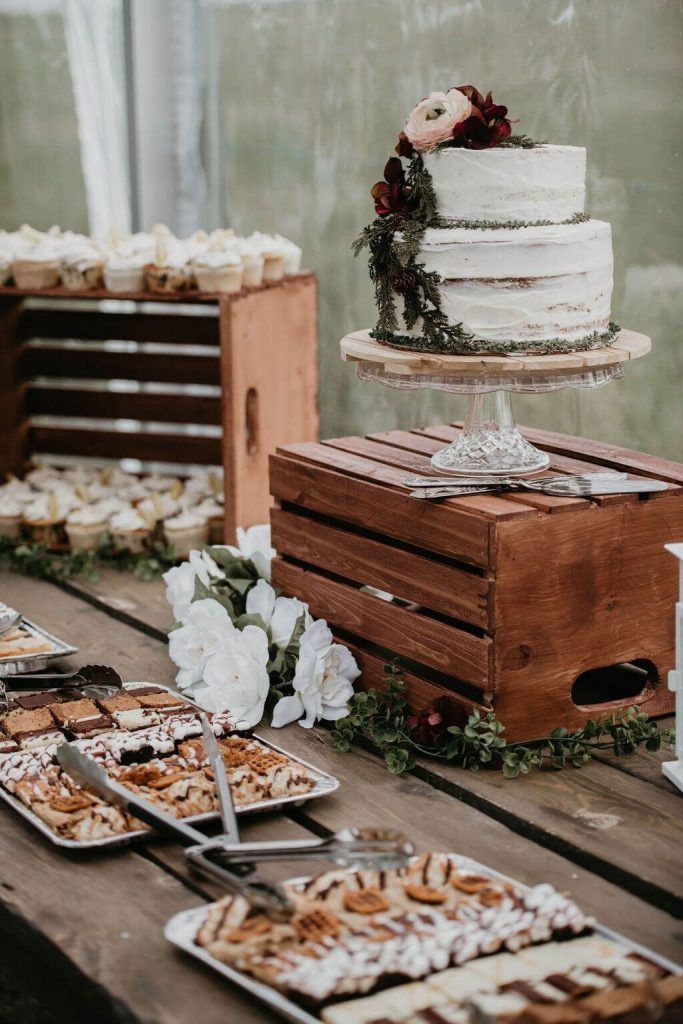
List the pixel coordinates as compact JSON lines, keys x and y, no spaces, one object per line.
{"x":490,"y":442}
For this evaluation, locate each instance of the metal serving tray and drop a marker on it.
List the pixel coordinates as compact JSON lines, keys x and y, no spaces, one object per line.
{"x":35,"y":662}
{"x":324,"y":785}
{"x":182,"y":928}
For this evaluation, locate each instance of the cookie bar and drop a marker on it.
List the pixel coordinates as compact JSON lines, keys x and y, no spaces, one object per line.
{"x":30,"y":729}
{"x":128,"y":713}
{"x":80,"y":718}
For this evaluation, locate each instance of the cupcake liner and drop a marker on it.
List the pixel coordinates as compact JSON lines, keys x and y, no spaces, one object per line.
{"x":186,"y":539}
{"x":124,"y":279}
{"x":31,"y":274}
{"x":52,"y":535}
{"x":85,"y":538}
{"x":129,"y":540}
{"x":220,"y":279}
{"x":292,"y":262}
{"x":273,"y":268}
{"x":77,"y":280}
{"x":165,"y":280}
{"x":253,"y":272}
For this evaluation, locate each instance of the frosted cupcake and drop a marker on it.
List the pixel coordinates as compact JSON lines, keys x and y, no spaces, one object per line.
{"x":134,"y":492}
{"x":168,"y":273}
{"x":186,"y":531}
{"x":37,"y":268}
{"x":86,"y":527}
{"x":10,"y":517}
{"x":129,"y":531}
{"x":215,"y":516}
{"x":219,"y":271}
{"x":124,"y":273}
{"x":44,"y":518}
{"x":158,"y":506}
{"x":18,"y":490}
{"x":81,"y":269}
{"x":252,"y":264}
{"x":292,"y":255}
{"x":43,"y":478}
{"x":273,"y":258}
{"x":156,"y":482}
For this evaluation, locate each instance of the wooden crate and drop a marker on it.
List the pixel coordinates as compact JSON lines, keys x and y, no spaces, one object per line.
{"x":502,"y":602}
{"x":253,"y":356}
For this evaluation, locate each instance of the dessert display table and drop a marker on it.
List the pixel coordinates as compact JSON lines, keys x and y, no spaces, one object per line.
{"x":490,"y":442}
{"x":85,"y":933}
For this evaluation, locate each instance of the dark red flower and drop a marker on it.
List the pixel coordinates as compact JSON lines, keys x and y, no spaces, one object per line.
{"x":426,"y":728}
{"x":487,"y":125}
{"x":404,"y":146}
{"x":392,"y":195}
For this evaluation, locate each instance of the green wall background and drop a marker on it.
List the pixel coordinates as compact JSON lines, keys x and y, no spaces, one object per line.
{"x":310,"y":95}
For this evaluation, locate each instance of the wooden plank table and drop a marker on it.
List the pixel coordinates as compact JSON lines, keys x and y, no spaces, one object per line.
{"x":611,"y":834}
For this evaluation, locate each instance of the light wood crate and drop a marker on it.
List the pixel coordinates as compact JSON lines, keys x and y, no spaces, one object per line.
{"x":521,"y":603}
{"x":258,"y":346}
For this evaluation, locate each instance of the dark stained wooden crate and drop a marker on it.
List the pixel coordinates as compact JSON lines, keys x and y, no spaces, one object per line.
{"x":256,"y":351}
{"x":548,"y":610}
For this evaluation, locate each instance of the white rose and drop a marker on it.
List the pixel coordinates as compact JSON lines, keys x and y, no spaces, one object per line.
{"x":204,"y":626}
{"x":433,"y":119}
{"x":280,"y":614}
{"x":254,"y":543}
{"x":323,"y":680}
{"x":180,"y":581}
{"x":236,"y":676}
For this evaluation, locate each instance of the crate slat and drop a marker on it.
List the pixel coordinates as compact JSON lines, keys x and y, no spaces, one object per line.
{"x":406,"y":574}
{"x":100,"y":364}
{"x":435,"y":527}
{"x":162,"y":407}
{"x":95,"y":325}
{"x":445,"y":648}
{"x":148,"y":447}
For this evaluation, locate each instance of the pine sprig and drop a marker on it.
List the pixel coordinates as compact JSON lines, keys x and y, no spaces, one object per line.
{"x":380,"y":719}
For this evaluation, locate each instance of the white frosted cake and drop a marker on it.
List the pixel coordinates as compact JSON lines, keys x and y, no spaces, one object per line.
{"x":483,"y":244}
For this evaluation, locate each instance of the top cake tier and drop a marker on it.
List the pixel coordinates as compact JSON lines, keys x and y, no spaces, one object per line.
{"x":546,"y":183}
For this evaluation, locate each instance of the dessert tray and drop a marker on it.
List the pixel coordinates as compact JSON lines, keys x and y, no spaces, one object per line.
{"x":39,"y":647}
{"x":445,"y":940}
{"x":148,"y":738}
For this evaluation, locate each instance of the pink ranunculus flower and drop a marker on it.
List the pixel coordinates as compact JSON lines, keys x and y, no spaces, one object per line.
{"x":433,"y":119}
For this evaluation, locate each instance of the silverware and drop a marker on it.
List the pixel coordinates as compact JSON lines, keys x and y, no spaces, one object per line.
{"x":526,"y":483}
{"x":100,"y":678}
{"x":265,"y":896}
{"x":452,"y":492}
{"x":229,"y":818}
{"x":567,"y":488}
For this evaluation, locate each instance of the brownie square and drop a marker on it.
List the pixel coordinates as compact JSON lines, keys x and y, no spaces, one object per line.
{"x":71,"y":711}
{"x":121,"y":702}
{"x":42,"y":700}
{"x":140,"y":690}
{"x":20,"y":722}
{"x":91,"y":725}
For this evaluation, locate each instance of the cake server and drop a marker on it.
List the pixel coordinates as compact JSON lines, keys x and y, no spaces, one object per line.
{"x":526,"y":483}
{"x":566,"y":488}
{"x":228,"y":817}
{"x":269,"y":898}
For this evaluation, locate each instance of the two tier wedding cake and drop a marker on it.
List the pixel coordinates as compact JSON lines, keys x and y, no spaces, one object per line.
{"x":481,"y":242}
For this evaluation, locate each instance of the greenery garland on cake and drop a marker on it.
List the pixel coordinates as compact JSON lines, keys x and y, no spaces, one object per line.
{"x":406,"y":206}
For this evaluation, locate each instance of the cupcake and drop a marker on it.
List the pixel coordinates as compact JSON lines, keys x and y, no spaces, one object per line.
{"x":168,"y":273}
{"x":43,"y":478}
{"x":219,"y":271}
{"x":186,"y":531}
{"x":18,"y":490}
{"x":86,"y":527}
{"x":252,"y":264}
{"x":158,"y":506}
{"x":10,"y":517}
{"x":156,"y":482}
{"x":273,"y":258}
{"x":292,"y":255}
{"x":215,"y":516}
{"x":81,"y":269}
{"x":44,"y":518}
{"x":129,"y":531}
{"x":37,"y":268}
{"x":134,"y":492}
{"x":124,"y":273}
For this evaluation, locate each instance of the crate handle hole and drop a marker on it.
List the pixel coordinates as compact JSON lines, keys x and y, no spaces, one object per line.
{"x":251,"y":421}
{"x":614,"y":685}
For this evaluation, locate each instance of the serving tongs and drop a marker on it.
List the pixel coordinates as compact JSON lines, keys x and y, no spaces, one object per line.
{"x":94,"y":680}
{"x":265,"y":896}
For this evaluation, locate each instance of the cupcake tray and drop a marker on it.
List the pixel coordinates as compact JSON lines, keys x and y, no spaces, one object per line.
{"x":324,"y":785}
{"x":35,"y":662}
{"x":182,"y":928}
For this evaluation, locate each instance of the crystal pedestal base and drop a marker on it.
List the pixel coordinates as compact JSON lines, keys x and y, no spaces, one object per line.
{"x":490,"y":441}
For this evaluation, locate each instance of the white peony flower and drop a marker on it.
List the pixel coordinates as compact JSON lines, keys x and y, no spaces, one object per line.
{"x":180,"y":581}
{"x":323,"y":680}
{"x":433,"y":119}
{"x":204,"y":626}
{"x":278,"y":613}
{"x":236,"y":676}
{"x":254,"y":543}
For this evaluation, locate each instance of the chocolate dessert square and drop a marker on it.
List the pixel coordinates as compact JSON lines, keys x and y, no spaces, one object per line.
{"x":28,"y":701}
{"x":91,"y":725}
{"x":141,"y":689}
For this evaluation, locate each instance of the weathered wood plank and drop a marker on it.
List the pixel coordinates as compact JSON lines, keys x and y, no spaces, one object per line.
{"x":160,"y":406}
{"x":439,"y":527}
{"x":149,"y":445}
{"x":406,"y":574}
{"x":54,"y":360}
{"x":94,"y":324}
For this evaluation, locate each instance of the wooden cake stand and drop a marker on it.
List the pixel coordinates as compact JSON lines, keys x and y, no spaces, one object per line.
{"x":490,"y":442}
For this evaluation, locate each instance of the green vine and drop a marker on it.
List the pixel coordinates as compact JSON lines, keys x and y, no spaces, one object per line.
{"x":38,"y":561}
{"x":381,"y":719}
{"x":545,"y":345}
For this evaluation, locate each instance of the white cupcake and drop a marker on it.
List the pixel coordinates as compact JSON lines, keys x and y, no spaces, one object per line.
{"x":18,"y":490}
{"x":86,"y":527}
{"x":158,"y":506}
{"x":80,"y":474}
{"x":81,"y":269}
{"x":37,"y":268}
{"x":292,"y":254}
{"x":273,"y":258}
{"x":168,"y":272}
{"x":11,"y":512}
{"x":124,"y":273}
{"x":219,"y":271}
{"x":157,"y":482}
{"x":129,"y":531}
{"x":44,"y":518}
{"x":43,"y":477}
{"x":186,"y":531}
{"x":133,"y":492}
{"x":215,"y":516}
{"x":252,"y":263}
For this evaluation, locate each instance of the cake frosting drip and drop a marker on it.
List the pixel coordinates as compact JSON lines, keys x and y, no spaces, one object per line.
{"x":545,"y":183}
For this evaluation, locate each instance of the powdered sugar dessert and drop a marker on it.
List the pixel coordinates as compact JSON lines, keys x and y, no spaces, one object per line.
{"x":481,"y":242}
